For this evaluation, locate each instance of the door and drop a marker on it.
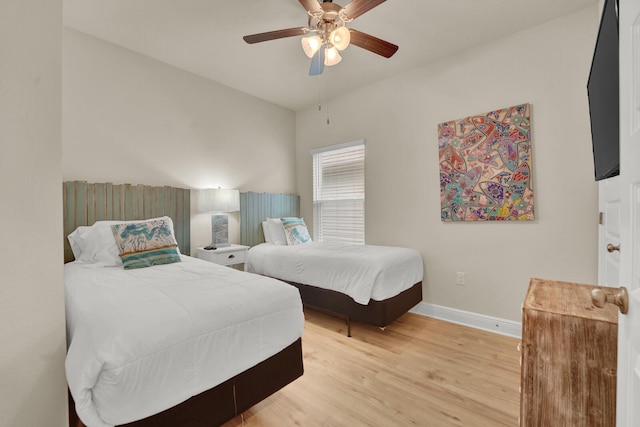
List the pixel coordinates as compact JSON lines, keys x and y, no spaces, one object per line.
{"x":628,"y":392}
{"x":609,"y":232}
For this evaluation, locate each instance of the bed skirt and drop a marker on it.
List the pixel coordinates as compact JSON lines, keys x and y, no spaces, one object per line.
{"x":377,"y":313}
{"x":222,"y":403}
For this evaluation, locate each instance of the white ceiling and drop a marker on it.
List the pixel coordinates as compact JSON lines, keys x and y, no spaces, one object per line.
{"x":205,"y":38}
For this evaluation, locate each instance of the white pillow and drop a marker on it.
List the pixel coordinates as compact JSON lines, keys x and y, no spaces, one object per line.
{"x":75,"y":240}
{"x":97,"y":244}
{"x":266,"y":231}
{"x":276,"y":231}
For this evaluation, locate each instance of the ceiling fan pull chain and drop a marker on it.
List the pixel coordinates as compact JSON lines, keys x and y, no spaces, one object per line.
{"x":326,"y":97}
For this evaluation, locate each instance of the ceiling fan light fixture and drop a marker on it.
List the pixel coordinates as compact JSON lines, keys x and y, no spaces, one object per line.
{"x":327,"y":34}
{"x":310,"y":45}
{"x":340,"y":38}
{"x":331,"y":57}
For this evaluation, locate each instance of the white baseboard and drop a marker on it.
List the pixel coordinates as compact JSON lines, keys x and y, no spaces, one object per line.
{"x":467,"y":318}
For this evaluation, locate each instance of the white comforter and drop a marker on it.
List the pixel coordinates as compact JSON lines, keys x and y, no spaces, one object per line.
{"x":363,"y":272}
{"x":140,"y":341}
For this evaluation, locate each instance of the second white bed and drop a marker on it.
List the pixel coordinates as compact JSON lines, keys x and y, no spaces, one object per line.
{"x":364,"y":272}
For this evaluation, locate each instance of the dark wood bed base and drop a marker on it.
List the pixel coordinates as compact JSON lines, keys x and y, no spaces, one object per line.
{"x":377,"y":313}
{"x":222,"y":403}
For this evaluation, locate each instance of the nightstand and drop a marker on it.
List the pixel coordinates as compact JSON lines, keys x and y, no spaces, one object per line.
{"x":228,"y":255}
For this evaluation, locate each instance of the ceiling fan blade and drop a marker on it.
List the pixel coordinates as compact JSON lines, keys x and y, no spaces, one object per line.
{"x":358,"y":7}
{"x":278,"y":34}
{"x":372,"y":44}
{"x":317,"y":62}
{"x":312,"y":6}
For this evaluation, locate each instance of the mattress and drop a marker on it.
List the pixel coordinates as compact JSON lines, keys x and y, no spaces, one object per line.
{"x":364,"y":272}
{"x":141,"y":341}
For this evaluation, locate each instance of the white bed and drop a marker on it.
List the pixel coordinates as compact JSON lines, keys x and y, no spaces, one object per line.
{"x":364,"y":272}
{"x":371,"y":284}
{"x":143,"y":340}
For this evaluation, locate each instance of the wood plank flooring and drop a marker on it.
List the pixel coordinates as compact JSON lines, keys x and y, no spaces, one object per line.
{"x":419,"y":371}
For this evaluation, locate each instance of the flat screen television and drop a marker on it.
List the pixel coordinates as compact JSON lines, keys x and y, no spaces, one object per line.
{"x":603,"y":92}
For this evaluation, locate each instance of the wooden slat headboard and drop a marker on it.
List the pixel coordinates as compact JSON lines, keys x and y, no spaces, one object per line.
{"x":257,"y":207}
{"x":86,"y":203}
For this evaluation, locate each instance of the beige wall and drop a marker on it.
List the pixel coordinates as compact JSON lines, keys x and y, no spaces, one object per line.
{"x":32,"y":330}
{"x":128,"y":118}
{"x":132,"y":116}
{"x":547,"y":66}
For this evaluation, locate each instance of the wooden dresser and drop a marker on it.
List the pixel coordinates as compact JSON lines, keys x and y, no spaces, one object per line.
{"x":569,"y":356}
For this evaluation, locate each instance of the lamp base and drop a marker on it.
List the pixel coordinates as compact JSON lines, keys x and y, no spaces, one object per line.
{"x":219,"y":231}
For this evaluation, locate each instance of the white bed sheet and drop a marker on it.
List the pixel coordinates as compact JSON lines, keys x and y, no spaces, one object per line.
{"x":363,"y":272}
{"x":141,"y":341}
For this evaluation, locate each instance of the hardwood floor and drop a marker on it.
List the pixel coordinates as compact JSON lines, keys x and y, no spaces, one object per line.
{"x":419,"y":371}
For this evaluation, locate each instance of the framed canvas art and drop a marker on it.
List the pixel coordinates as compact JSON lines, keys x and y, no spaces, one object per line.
{"x":485,"y":166}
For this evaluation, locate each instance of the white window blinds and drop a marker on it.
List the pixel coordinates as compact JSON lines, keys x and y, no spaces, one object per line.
{"x":338,"y":193}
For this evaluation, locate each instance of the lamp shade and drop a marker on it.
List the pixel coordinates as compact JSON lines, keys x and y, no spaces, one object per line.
{"x":310,"y":45}
{"x":332,"y":57}
{"x":218,"y":200}
{"x":340,"y":38}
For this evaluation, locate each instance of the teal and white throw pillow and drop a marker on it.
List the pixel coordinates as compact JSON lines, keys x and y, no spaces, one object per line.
{"x":295,"y":230}
{"x":143,"y":244}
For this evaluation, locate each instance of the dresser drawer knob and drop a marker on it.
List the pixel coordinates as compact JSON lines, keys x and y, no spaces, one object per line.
{"x":232,"y":256}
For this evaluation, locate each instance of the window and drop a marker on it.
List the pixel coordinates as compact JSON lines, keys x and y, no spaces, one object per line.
{"x":338,"y":193}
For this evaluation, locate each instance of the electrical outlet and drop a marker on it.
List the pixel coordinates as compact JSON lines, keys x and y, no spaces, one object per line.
{"x":460,"y":278}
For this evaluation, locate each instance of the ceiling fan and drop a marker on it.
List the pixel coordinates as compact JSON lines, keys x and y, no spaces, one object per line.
{"x":327,"y":34}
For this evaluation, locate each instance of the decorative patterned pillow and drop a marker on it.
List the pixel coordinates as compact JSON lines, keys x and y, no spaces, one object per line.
{"x":295,"y":230}
{"x":143,"y":244}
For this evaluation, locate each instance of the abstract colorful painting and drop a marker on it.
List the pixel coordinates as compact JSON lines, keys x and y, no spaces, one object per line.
{"x":485,"y":166}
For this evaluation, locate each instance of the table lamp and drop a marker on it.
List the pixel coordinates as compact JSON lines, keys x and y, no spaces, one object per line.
{"x":219,"y":201}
